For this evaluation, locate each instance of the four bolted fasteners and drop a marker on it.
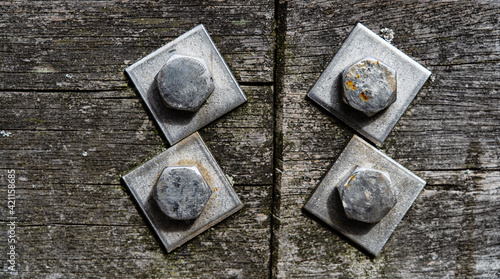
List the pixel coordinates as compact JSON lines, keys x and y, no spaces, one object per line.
{"x":186,"y":85}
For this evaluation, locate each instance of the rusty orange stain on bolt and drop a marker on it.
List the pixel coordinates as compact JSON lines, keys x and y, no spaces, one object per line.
{"x":352,"y":177}
{"x":350,"y":85}
{"x":363,"y":96}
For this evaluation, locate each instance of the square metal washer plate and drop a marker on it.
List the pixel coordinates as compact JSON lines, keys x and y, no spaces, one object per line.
{"x":176,"y":124}
{"x":362,"y":42}
{"x":191,"y":151}
{"x":325,"y":202}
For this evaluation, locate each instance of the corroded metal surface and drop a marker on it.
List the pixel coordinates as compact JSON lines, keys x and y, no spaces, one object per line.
{"x":367,"y":195}
{"x":362,"y":42}
{"x":181,"y":192}
{"x":325,"y":202}
{"x":191,"y":151}
{"x":185,"y":83}
{"x":227,"y":94}
{"x":369,"y":86}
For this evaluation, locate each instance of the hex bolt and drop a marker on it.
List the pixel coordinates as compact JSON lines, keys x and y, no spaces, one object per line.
{"x":181,"y":192}
{"x":367,"y":195}
{"x":369,"y":86}
{"x":184,"y":83}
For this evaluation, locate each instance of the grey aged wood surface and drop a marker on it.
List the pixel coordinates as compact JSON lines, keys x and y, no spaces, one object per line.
{"x":76,"y":125}
{"x":450,"y":136}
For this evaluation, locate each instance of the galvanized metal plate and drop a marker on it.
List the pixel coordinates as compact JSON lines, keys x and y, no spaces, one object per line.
{"x":325,"y":202}
{"x":176,"y":124}
{"x":362,"y":42}
{"x":191,"y":151}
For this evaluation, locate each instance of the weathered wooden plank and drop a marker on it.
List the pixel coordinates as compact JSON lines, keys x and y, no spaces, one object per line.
{"x":71,"y":139}
{"x":69,"y":150}
{"x":238,"y":247}
{"x":86,"y":45}
{"x":451,"y":230}
{"x":69,"y":147}
{"x":252,"y":124}
{"x":450,"y":136}
{"x":91,"y":138}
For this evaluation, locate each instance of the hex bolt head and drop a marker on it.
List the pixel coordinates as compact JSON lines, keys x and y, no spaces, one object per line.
{"x":367,"y":195}
{"x":184,"y":83}
{"x":369,"y":86}
{"x":181,"y":192}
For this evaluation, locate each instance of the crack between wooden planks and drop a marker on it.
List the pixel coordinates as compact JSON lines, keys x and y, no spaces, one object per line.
{"x":280,"y":27}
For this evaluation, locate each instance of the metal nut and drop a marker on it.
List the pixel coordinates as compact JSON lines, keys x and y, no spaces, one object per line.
{"x":185,"y":83}
{"x":369,"y":86}
{"x":367,"y":195}
{"x":181,"y":192}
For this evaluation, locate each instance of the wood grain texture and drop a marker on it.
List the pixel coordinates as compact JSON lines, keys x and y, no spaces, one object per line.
{"x":77,"y":219}
{"x":76,"y":125}
{"x":86,"y":45}
{"x":450,"y":136}
{"x":125,"y":247}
